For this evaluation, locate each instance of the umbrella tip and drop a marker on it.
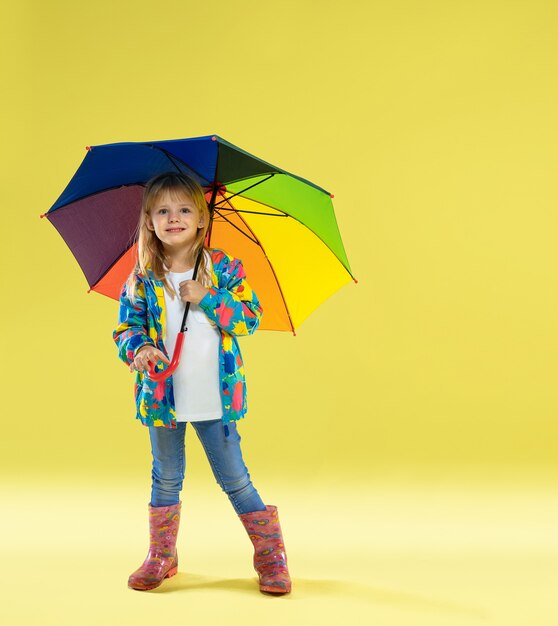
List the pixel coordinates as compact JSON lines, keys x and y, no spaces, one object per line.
{"x":331,"y":195}
{"x":89,"y":148}
{"x":356,"y":281}
{"x":42,"y":215}
{"x":213,"y":138}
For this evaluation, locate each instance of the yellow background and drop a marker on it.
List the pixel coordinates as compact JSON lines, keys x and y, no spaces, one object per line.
{"x":434,"y":124}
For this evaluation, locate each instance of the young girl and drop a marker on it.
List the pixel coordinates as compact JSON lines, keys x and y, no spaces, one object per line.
{"x":208,"y":387}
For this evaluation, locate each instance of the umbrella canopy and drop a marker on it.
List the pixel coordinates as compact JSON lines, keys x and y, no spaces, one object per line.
{"x":281,"y":226}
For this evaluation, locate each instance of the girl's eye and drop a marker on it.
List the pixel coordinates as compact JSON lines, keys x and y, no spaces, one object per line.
{"x":161,"y":211}
{"x":186,"y":210}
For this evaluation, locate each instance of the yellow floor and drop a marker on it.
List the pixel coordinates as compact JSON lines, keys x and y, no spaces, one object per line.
{"x":393,"y":553}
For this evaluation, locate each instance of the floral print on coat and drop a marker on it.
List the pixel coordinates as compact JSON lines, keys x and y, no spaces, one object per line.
{"x":230,"y":303}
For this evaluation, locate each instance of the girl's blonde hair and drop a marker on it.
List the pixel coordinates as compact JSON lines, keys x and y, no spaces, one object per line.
{"x":150,"y":249}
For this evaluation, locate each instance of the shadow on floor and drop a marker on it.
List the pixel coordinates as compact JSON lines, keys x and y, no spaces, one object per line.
{"x":307,"y":589}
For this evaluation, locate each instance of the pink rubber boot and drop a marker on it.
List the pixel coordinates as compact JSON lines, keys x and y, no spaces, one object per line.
{"x":270,"y":559}
{"x":162,"y":559}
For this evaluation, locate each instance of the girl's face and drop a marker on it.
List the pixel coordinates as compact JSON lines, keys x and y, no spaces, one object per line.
{"x":175,"y":221}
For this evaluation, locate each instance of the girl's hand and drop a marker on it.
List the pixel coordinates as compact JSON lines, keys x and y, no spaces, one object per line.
{"x":192,"y":291}
{"x":146,"y":355}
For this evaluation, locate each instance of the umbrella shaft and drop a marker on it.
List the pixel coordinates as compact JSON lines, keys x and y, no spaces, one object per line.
{"x":183,"y":325}
{"x":211,"y":205}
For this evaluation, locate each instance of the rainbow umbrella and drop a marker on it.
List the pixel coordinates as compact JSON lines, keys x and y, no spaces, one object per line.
{"x":280,"y":225}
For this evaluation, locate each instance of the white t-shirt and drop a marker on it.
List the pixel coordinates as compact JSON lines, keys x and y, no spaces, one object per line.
{"x":196,"y":379}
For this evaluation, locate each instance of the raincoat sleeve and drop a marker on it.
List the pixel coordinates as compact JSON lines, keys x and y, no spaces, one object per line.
{"x":235,"y":307}
{"x":132,"y":333}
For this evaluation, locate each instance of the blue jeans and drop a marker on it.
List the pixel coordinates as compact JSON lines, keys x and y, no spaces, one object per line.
{"x":224,"y":455}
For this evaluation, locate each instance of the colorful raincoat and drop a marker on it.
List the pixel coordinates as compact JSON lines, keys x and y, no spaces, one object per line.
{"x":230,"y":303}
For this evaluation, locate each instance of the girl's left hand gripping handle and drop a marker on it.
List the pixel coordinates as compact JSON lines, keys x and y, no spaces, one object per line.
{"x":157,"y":376}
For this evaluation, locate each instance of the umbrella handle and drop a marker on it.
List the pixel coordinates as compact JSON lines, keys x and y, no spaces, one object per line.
{"x":157,"y":376}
